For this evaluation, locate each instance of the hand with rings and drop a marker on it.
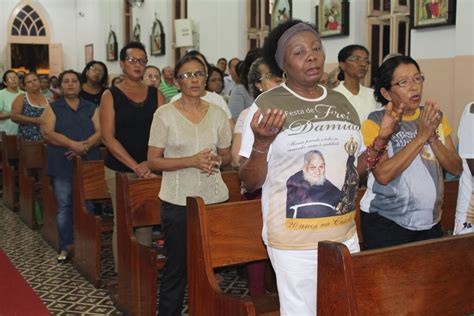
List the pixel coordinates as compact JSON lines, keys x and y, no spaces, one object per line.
{"x":268,"y":127}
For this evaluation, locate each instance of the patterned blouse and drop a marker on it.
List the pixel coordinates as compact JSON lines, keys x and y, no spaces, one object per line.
{"x":30,"y":132}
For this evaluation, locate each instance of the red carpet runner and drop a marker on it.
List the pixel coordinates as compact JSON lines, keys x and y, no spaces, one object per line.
{"x":16,"y":296}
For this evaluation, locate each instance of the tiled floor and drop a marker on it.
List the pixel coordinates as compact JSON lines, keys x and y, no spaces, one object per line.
{"x":63,"y":290}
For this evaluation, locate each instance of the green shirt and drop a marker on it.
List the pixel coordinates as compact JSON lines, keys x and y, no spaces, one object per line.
{"x":6,"y":102}
{"x":168,"y":91}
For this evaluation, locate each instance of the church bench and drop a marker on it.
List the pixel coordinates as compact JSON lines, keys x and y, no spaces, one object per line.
{"x":48,"y":229}
{"x":223,"y":235}
{"x":138,"y":205}
{"x":433,"y":277}
{"x":10,"y":172}
{"x":449,"y":205}
{"x":89,"y":185}
{"x":29,"y":167}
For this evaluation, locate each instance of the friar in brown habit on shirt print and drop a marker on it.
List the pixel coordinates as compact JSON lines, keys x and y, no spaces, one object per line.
{"x":311,"y":195}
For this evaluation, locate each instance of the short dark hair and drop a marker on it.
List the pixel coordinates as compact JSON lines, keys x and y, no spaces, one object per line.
{"x":69,"y":71}
{"x":197,"y":53}
{"x":154,"y":67}
{"x":271,"y":44}
{"x":384,"y":75}
{"x":9,"y":71}
{"x":105,"y":77}
{"x":184,"y":60}
{"x":27,"y":75}
{"x":345,"y":53}
{"x":231,"y":60}
{"x":133,"y":44}
{"x":212,"y":70}
{"x":222,"y":58}
{"x":252,"y":54}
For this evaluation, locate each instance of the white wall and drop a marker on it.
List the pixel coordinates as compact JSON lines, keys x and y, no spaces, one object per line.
{"x":222,"y":28}
{"x":446,"y":41}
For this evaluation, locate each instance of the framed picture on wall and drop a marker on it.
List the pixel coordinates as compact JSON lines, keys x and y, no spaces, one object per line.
{"x":89,"y":53}
{"x":157,"y":39}
{"x":281,"y":12}
{"x":429,"y":13}
{"x":332,"y":18}
{"x":111,"y":48}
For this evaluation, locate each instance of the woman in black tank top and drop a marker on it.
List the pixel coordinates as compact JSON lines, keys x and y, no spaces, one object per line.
{"x":126,"y":113}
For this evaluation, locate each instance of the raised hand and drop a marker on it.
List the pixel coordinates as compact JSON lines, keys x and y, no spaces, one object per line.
{"x":429,"y":120}
{"x":391,"y":120}
{"x":268,"y":128}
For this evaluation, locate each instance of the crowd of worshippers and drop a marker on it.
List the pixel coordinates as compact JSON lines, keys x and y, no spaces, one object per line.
{"x":303,"y":140}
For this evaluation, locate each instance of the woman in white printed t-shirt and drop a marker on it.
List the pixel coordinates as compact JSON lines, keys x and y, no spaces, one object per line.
{"x":302,"y":143}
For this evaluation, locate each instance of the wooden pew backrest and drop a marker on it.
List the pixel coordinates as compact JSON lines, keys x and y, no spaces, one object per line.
{"x":137,"y":205}
{"x":432,"y":277}
{"x":221,"y":235}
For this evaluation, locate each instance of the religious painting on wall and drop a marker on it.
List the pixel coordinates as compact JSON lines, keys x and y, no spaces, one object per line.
{"x":136,"y":32}
{"x":111,"y":48}
{"x":281,"y":12}
{"x":429,"y":13}
{"x":332,"y":18}
{"x":157,"y":39}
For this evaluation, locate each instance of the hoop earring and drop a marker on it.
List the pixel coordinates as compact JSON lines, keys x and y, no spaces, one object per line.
{"x":285,"y":76}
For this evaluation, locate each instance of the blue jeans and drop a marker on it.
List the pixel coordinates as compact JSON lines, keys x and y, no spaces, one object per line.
{"x":62,"y":187}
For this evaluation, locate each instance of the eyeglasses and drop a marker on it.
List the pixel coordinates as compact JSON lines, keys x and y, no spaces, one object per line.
{"x":359,"y":60}
{"x":152,"y":77}
{"x":96,"y":70}
{"x":192,"y":75}
{"x":134,"y":61}
{"x":268,"y":76}
{"x":405,"y":82}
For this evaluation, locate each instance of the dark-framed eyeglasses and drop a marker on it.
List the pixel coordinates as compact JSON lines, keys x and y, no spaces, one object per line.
{"x":192,"y":75}
{"x":134,"y":61}
{"x":405,"y":82}
{"x":359,"y":60}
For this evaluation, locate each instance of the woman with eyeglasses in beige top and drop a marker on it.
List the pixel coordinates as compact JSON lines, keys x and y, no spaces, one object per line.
{"x":189,"y":140}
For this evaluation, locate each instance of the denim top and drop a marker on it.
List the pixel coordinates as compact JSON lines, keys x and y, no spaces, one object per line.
{"x":76,"y":125}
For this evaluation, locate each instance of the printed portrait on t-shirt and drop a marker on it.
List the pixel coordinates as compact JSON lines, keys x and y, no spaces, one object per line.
{"x":309,"y":193}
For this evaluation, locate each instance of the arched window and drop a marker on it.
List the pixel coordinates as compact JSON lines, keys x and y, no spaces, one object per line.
{"x":28,"y":22}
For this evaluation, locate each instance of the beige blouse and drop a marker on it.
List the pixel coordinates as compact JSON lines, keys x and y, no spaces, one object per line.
{"x":181,"y":138}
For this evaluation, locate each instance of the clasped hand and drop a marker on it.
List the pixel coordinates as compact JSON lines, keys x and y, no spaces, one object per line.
{"x":429,"y":120}
{"x":207,"y":161}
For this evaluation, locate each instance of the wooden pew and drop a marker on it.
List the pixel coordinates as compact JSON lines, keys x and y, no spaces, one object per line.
{"x":10,"y":173}
{"x":222,"y":235}
{"x":89,"y":184}
{"x":449,"y":206}
{"x":49,"y":229}
{"x":30,"y":162}
{"x":434,"y":277}
{"x":138,"y":205}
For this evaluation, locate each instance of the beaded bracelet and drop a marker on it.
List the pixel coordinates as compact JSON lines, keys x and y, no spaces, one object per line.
{"x":372,"y":162}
